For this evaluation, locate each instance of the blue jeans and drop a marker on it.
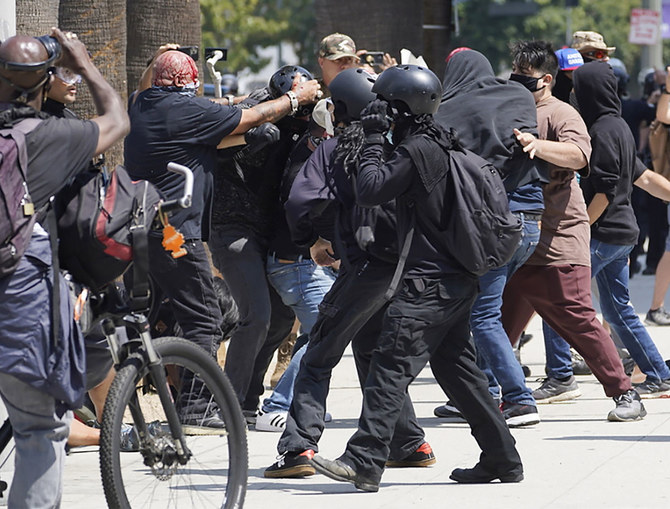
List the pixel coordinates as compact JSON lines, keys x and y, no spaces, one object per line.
{"x":609,"y":265}
{"x":301,"y":285}
{"x":495,"y":355}
{"x":40,"y":433}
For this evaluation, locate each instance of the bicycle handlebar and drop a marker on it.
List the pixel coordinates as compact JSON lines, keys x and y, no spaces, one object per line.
{"x":216,"y":75}
{"x":185,"y":201}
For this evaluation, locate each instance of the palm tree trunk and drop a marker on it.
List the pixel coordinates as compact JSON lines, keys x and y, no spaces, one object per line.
{"x":101,"y":25}
{"x":390,"y":25}
{"x":36,"y":17}
{"x":375,"y":25}
{"x":151,"y":24}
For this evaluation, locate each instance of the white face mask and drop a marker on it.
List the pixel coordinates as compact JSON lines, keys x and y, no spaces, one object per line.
{"x":389,"y":135}
{"x":322,"y":115}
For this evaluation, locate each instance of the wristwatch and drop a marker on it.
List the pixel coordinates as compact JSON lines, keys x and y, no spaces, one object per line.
{"x":230,"y":98}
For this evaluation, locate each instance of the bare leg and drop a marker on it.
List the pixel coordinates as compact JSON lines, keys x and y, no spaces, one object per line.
{"x":662,"y":281}
{"x":81,"y":435}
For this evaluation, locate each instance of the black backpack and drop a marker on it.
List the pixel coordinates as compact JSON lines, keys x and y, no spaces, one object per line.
{"x":482,"y":232}
{"x":376,"y":229}
{"x":103,"y":218}
{"x":17,"y":212}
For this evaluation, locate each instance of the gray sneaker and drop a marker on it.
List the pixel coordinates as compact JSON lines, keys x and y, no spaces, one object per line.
{"x":449,"y":412}
{"x":651,"y":388}
{"x":657,"y":317}
{"x":130,"y":439}
{"x":629,"y":407}
{"x":553,"y":390}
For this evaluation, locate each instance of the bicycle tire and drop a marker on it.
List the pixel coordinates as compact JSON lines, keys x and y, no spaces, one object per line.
{"x":125,"y":477}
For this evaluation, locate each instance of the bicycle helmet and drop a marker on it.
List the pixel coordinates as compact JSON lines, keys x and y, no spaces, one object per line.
{"x":410,"y":88}
{"x":351,"y":91}
{"x":282,"y":81}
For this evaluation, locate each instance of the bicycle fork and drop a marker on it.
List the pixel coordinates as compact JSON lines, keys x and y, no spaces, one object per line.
{"x":140,"y":324}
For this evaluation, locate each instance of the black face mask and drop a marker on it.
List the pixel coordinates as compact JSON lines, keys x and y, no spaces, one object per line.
{"x":527,"y":81}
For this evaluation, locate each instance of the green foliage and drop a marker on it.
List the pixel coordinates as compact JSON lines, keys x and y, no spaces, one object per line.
{"x":244,"y":25}
{"x":492,"y":35}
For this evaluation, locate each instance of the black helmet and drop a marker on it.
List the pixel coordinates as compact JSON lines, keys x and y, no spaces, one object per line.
{"x":282,"y":80}
{"x":351,"y":91}
{"x":416,"y":87}
{"x":229,"y":84}
{"x":621,"y":74}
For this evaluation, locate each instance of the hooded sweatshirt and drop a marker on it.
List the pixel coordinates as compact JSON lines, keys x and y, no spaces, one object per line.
{"x":484,"y":110}
{"x":614,"y":164}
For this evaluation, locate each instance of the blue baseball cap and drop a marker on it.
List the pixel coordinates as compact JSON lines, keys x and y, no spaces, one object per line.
{"x":569,"y":59}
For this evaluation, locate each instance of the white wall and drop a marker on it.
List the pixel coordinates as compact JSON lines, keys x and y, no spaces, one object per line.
{"x":7,"y":19}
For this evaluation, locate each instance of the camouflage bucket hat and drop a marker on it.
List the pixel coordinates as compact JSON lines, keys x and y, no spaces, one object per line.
{"x":336,"y":46}
{"x":586,"y":40}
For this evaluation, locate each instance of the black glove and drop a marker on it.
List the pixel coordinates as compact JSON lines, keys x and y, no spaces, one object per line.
{"x":257,"y":96}
{"x":261,"y":136}
{"x":374,"y":119}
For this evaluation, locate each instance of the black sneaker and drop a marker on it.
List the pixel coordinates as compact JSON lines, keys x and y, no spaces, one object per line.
{"x":210,"y":424}
{"x":553,"y":390}
{"x":517,"y":415}
{"x":449,"y":412}
{"x":422,"y":457}
{"x":479,"y":475}
{"x":525,"y":338}
{"x":340,"y":471}
{"x":629,"y":407}
{"x":579,"y":366}
{"x":653,"y":388}
{"x":291,"y":464}
{"x":657,"y":317}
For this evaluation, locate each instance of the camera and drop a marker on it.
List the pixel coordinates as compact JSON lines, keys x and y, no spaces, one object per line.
{"x":52,"y":46}
{"x":191,"y":51}
{"x":209,"y":53}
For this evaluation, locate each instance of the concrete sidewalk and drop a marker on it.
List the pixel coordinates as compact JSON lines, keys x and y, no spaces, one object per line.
{"x":573,"y":458}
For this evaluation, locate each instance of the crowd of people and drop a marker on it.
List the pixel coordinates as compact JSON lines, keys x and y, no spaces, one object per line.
{"x":334,"y":213}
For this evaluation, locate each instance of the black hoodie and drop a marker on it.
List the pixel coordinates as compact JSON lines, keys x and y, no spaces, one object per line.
{"x":614,"y":165}
{"x":484,"y":110}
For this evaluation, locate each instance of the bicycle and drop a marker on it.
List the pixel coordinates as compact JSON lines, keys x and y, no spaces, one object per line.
{"x":170,"y":456}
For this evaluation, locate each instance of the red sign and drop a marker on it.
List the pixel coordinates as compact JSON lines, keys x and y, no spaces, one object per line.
{"x":645,"y":26}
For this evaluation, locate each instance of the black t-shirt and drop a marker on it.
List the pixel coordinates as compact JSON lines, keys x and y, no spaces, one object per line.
{"x":634,"y":112}
{"x":172,"y":127}
{"x":58,"y":149}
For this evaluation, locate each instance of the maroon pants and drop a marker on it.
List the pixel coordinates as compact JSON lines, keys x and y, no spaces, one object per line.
{"x":561,"y":295}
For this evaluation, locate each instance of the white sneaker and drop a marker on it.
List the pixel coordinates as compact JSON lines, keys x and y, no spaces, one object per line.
{"x":271,"y":421}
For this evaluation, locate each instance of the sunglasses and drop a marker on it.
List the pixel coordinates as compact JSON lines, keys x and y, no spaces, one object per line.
{"x":67,"y":76}
{"x":597,"y":54}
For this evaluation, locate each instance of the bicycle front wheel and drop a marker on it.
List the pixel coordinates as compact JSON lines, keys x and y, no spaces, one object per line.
{"x":142,"y":473}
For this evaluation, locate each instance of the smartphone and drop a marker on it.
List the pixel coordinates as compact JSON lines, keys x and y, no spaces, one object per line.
{"x":191,"y":51}
{"x":209,"y":52}
{"x":373,"y":58}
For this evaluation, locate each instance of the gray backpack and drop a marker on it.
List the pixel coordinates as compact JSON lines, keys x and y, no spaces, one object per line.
{"x":17,"y":212}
